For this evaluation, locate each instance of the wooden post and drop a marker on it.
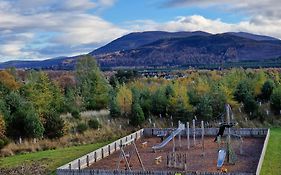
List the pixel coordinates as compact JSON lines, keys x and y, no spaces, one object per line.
{"x":102,"y":153}
{"x":193,"y":123}
{"x":79,"y":164}
{"x":69,"y":166}
{"x":203,"y":133}
{"x":108,"y":149}
{"x":95,"y":156}
{"x":187,"y":135}
{"x":115,"y":146}
{"x":87,"y":160}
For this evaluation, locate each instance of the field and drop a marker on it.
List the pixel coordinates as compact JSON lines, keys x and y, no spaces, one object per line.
{"x":272,"y":160}
{"x":49,"y":160}
{"x":247,"y":162}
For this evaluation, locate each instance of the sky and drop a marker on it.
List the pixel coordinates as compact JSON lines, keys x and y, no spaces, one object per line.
{"x":42,"y":29}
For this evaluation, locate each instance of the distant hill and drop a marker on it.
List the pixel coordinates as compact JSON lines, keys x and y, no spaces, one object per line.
{"x":135,"y":40}
{"x":157,"y":48}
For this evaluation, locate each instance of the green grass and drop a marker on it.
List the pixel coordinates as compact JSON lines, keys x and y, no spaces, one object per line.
{"x":272,"y":160}
{"x":51,"y":158}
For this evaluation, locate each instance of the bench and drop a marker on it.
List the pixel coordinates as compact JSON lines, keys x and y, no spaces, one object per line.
{"x":144,"y":144}
{"x":158,"y":160}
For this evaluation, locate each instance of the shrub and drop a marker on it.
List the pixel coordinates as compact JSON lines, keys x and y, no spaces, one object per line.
{"x":75,"y":113}
{"x":94,"y":124}
{"x":54,"y":125}
{"x":137,"y":117}
{"x":3,"y":142}
{"x":81,"y":128}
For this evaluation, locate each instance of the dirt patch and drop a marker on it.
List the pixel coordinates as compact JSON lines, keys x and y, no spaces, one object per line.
{"x":247,"y":162}
{"x":25,"y":169}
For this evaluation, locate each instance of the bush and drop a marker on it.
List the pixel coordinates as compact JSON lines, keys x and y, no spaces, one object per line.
{"x":275,"y":99}
{"x":3,"y":142}
{"x":81,"y":128}
{"x":94,"y":124}
{"x":53,"y":125}
{"x":75,"y":114}
{"x":137,"y":117}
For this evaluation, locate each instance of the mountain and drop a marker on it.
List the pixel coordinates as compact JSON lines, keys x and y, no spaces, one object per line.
{"x":210,"y":49}
{"x":252,"y":36}
{"x":135,"y":40}
{"x":156,"y":48}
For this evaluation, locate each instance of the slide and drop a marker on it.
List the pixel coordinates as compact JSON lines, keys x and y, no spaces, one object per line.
{"x":168,"y":139}
{"x":221,"y":157}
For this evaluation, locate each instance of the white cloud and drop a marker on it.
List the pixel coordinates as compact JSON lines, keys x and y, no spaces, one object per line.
{"x":258,"y":25}
{"x":267,"y":8}
{"x":66,"y":25}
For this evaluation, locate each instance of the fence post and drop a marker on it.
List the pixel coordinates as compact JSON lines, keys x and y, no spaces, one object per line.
{"x":193,"y":123}
{"x":88,"y":163}
{"x":95,"y":156}
{"x":108,"y":149}
{"x":187,"y":134}
{"x":102,"y":153}
{"x":79,"y":164}
{"x":69,"y":166}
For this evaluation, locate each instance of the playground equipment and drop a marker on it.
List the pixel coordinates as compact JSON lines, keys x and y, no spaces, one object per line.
{"x":228,"y":151}
{"x":177,"y":160}
{"x":180,"y":128}
{"x":127,"y":157}
{"x":221,"y":157}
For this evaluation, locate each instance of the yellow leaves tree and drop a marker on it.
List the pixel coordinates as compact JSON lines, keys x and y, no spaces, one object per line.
{"x":40,"y":94}
{"x":2,"y":126}
{"x":8,"y":80}
{"x":124,"y":100}
{"x":178,"y":102}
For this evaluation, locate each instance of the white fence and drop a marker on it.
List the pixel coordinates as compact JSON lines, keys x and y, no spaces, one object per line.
{"x":101,"y":153}
{"x":76,"y":166}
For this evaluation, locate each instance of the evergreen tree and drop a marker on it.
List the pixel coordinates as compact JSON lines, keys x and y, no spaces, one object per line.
{"x":275,"y":99}
{"x":267,"y":89}
{"x":93,"y":87}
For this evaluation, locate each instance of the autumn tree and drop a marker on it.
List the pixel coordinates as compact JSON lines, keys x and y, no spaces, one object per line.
{"x":124,"y":100}
{"x":178,"y":102}
{"x":2,"y":126}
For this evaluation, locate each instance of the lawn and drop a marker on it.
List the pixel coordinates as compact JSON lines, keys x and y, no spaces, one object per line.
{"x":51,"y":158}
{"x":272,"y":160}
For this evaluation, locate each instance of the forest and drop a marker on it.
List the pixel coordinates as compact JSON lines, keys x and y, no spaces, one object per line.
{"x":32,"y":107}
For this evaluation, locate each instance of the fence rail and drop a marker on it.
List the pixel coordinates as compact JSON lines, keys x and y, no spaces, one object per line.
{"x":75,"y":167}
{"x":101,"y":153}
{"x":115,"y":172}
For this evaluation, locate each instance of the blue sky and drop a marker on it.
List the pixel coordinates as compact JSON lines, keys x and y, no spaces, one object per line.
{"x":41,"y":29}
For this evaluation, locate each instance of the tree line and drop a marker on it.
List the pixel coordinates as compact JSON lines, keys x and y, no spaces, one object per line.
{"x":32,"y":108}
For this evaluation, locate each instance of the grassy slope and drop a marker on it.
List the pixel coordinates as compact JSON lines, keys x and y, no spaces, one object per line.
{"x":272,"y":160}
{"x":51,"y":158}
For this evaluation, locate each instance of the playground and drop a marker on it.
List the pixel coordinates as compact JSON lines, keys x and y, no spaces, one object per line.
{"x":189,"y":147}
{"x":195,"y":161}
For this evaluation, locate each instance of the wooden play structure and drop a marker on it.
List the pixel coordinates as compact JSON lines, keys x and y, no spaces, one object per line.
{"x":177,"y":160}
{"x":128,"y":156}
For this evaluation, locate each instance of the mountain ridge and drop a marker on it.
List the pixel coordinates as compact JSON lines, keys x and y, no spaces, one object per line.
{"x":159,"y":48}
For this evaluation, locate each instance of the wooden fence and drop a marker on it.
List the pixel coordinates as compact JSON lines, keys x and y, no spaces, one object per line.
{"x":101,"y":153}
{"x":76,"y":166}
{"x":115,"y":172}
